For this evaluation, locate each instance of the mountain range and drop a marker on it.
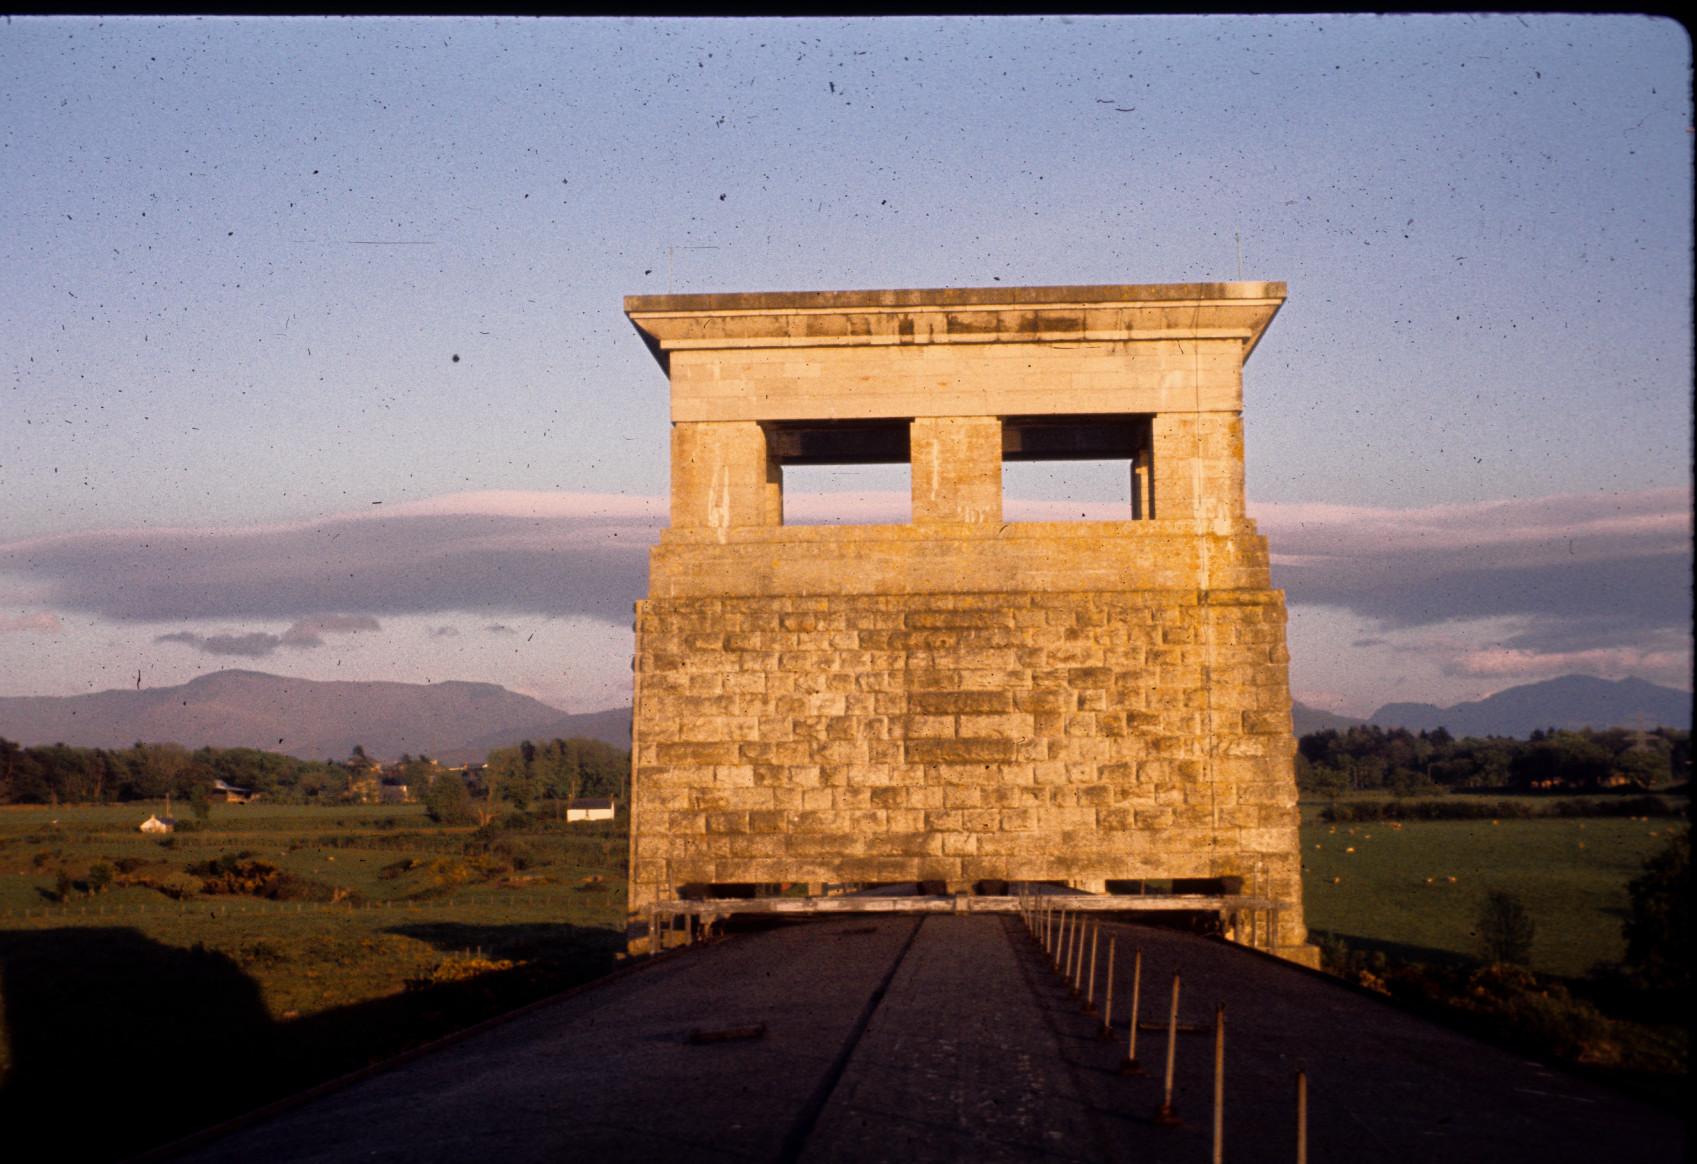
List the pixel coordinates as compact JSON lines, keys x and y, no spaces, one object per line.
{"x":462,"y":722}
{"x":1571,"y":701}
{"x":452,"y":722}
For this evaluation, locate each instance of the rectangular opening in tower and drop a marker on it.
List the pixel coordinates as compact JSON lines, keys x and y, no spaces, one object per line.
{"x":1077,"y":468}
{"x":842,"y":472}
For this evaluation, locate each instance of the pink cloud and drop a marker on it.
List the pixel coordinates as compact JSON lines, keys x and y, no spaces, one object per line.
{"x":1552,"y":528}
{"x":1669,"y":663}
{"x":41,"y":622}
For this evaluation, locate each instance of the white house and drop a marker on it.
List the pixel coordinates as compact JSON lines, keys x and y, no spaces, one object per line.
{"x":589,"y":808}
{"x":158,"y":824}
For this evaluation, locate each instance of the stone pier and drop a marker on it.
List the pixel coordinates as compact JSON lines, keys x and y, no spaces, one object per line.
{"x":960,"y":700}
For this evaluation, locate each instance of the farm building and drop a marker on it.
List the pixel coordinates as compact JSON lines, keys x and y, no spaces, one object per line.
{"x":158,"y":824}
{"x":589,"y":808}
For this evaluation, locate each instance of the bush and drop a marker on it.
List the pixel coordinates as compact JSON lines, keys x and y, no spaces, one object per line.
{"x":176,"y":886}
{"x":494,"y":853}
{"x":447,"y":800}
{"x":1505,"y":929}
{"x":100,"y":878}
{"x":238,"y":874}
{"x":459,"y":968}
{"x":1658,"y":930}
{"x":1539,"y":1013}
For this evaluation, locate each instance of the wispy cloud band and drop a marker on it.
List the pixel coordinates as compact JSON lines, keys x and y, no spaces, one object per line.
{"x":1583,"y":580}
{"x":1594,"y":567}
{"x":305,"y":635}
{"x":529,"y":553}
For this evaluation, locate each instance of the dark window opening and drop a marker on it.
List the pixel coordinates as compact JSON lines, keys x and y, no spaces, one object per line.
{"x":842,"y":442}
{"x":1072,"y":468}
{"x":848,"y":472}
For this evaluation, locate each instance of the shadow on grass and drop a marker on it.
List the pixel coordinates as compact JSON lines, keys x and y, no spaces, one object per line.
{"x":562,"y":946}
{"x":161,"y":1040}
{"x":1397,"y":952}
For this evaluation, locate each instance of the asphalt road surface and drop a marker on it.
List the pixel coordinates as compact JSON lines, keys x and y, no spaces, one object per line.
{"x":889,"y":1038}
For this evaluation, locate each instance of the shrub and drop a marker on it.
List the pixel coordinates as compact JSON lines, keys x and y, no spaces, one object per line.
{"x":238,"y":874}
{"x":100,"y":878}
{"x":200,"y":803}
{"x":448,"y":801}
{"x":176,"y":886}
{"x":1538,"y":1013}
{"x":1505,"y":929}
{"x":1658,"y":929}
{"x":459,"y":968}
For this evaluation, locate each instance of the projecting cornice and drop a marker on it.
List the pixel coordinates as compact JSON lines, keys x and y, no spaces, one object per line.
{"x":958,"y":315}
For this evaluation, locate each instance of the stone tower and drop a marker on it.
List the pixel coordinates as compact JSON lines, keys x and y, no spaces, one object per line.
{"x":960,"y":701}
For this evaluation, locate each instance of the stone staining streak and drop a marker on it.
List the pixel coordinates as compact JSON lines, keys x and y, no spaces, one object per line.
{"x":963,"y":700}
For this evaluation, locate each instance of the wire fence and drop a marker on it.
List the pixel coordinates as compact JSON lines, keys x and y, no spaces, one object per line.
{"x":215,"y":908}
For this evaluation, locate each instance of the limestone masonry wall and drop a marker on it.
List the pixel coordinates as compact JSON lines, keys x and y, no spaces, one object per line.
{"x":1077,"y":737}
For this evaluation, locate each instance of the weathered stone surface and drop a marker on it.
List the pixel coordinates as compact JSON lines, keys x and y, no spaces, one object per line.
{"x":961,"y":698}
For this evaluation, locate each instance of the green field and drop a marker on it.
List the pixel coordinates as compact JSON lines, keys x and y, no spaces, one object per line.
{"x":387,"y":931}
{"x":1419,"y":884}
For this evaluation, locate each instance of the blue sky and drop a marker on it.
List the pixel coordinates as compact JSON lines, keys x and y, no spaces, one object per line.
{"x":240,"y":257}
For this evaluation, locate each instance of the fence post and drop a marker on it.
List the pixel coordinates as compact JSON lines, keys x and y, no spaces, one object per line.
{"x":1301,"y":1117}
{"x":1090,"y":988}
{"x":1219,"y":1083}
{"x":1131,"y":1066}
{"x":1107,"y":1031}
{"x":1166,"y":1116}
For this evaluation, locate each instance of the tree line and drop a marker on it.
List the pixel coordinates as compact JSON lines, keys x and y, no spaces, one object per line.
{"x":1362,"y":758}
{"x":1368,"y":758}
{"x":530,"y":777}
{"x":521,"y":776}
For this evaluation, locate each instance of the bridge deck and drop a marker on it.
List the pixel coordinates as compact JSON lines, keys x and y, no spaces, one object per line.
{"x":962,"y":903}
{"x":916,"y":1038}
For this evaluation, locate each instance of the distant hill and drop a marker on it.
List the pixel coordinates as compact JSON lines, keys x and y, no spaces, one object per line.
{"x":304,"y":718}
{"x":1308,"y":720}
{"x":1572,"y":701}
{"x":460,"y":722}
{"x":611,"y":726}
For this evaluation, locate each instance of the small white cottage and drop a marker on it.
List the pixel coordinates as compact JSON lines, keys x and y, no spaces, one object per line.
{"x":589,"y":808}
{"x":158,"y":824}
